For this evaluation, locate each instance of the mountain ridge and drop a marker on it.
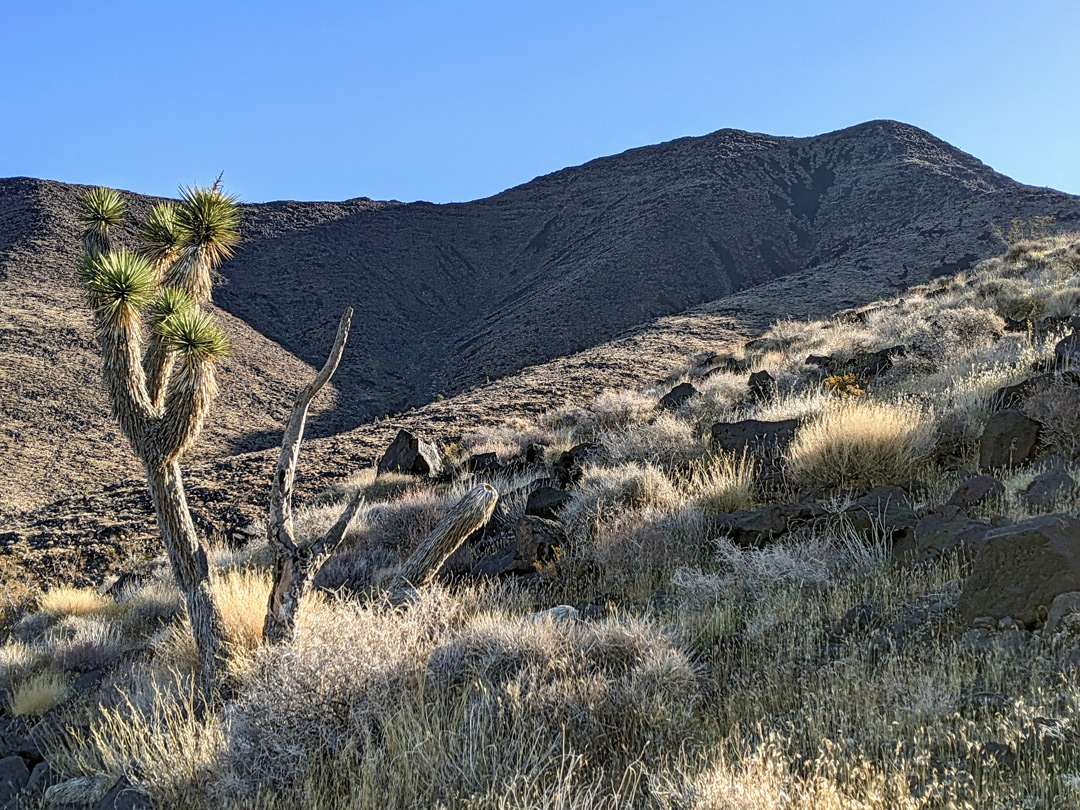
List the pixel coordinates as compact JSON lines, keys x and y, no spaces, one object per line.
{"x":450,"y":295}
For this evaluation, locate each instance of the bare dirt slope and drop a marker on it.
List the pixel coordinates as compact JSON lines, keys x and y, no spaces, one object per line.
{"x":448,"y":296}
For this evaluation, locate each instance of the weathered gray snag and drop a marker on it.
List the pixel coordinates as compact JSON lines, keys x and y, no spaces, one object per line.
{"x":294,"y":566}
{"x":469,"y":514}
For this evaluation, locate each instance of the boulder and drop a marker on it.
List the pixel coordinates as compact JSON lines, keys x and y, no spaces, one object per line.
{"x":538,"y":540}
{"x":1015,"y":396}
{"x":754,"y":435}
{"x":673,"y":399}
{"x":1048,"y":488}
{"x":483,"y":463}
{"x":884,"y":509}
{"x":1067,"y":350}
{"x":568,"y":467}
{"x":124,"y":796}
{"x":762,"y":386}
{"x":546,"y":502}
{"x":876,"y":363}
{"x":500,"y":563}
{"x":1022,"y":568}
{"x":1009,"y":439}
{"x":410,"y":454}
{"x":1065,"y":605}
{"x":975,"y":490}
{"x":945,"y":530}
{"x":13,"y":778}
{"x":759,"y":526}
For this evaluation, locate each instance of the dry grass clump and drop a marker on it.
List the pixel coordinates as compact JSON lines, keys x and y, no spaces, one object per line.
{"x":241,"y":597}
{"x":84,"y":643}
{"x":38,"y":693}
{"x":610,"y":410}
{"x":637,"y":550}
{"x":860,"y":444}
{"x":148,"y":606}
{"x":16,"y":660}
{"x":66,"y":601}
{"x":374,"y":487}
{"x":723,"y":483}
{"x":603,"y":490}
{"x":667,"y":441}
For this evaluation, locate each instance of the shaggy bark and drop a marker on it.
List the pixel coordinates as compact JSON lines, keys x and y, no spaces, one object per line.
{"x":295,"y":567}
{"x":190,"y":568}
{"x":469,"y":514}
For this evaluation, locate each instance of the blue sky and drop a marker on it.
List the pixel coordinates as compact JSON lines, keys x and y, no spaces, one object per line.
{"x":453,"y":101}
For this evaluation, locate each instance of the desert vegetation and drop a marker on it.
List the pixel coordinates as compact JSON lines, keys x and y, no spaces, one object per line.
{"x":749,"y":587}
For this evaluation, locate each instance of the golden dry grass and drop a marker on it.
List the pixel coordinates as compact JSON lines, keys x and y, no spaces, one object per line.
{"x":858,"y":444}
{"x":66,"y":601}
{"x":38,"y":693}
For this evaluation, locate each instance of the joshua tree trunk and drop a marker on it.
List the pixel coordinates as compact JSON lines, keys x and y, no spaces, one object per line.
{"x":469,"y":514}
{"x":190,"y":569}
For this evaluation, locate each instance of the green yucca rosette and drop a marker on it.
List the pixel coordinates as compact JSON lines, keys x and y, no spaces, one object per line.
{"x":119,"y":284}
{"x":208,"y":219}
{"x":193,"y":334}
{"x":160,"y":233}
{"x":169,"y":302}
{"x":100,"y":210}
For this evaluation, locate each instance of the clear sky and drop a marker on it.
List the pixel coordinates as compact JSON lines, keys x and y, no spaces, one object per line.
{"x":451,"y":101}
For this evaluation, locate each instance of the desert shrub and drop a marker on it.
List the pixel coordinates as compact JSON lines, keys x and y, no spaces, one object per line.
{"x":608,"y":411}
{"x":603,"y":489}
{"x":150,"y":605}
{"x":401,"y":524}
{"x":722,"y":483}
{"x":667,"y":441}
{"x":859,"y":444}
{"x":636,"y":550}
{"x":84,"y":643}
{"x":38,"y":693}
{"x":374,"y":488}
{"x":17,"y":660}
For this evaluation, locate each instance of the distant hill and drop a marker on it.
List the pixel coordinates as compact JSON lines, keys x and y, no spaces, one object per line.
{"x":750,"y":227}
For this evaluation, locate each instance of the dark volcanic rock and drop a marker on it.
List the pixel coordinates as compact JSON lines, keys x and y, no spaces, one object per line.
{"x":884,"y":510}
{"x":546,"y":502}
{"x":975,"y":490}
{"x":754,"y":435}
{"x":409,"y":454}
{"x":945,"y":530}
{"x":1048,"y":488}
{"x":759,"y":526}
{"x":1022,"y":568}
{"x":1009,"y":439}
{"x":1067,"y":349}
{"x":13,"y":777}
{"x":762,"y":386}
{"x":674,"y":398}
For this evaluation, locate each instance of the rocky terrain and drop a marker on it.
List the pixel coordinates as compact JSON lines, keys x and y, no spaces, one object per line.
{"x":730,"y":229}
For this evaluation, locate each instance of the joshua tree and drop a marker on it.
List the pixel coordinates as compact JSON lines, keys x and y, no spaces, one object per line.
{"x":161,"y":388}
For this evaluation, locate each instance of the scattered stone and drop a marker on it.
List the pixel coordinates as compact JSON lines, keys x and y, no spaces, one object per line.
{"x":1065,"y":607}
{"x":538,"y":540}
{"x":88,"y":681}
{"x":1022,"y":568}
{"x":982,"y":640}
{"x":411,"y":455}
{"x":759,"y":526}
{"x":877,"y":363}
{"x":13,"y":778}
{"x":1009,"y":439}
{"x":1048,"y":488}
{"x":673,"y":399}
{"x":945,"y":530}
{"x":124,"y":796}
{"x":883,"y":509}
{"x":546,"y":502}
{"x":762,"y":386}
{"x":40,"y":779}
{"x":568,"y":468}
{"x":483,"y":463}
{"x":975,"y":490}
{"x":1067,"y":349}
{"x":754,"y":435}
{"x":820,"y":360}
{"x":560,"y":614}
{"x":1015,"y":396}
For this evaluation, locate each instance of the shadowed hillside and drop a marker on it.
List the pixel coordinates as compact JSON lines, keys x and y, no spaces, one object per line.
{"x":448,"y":296}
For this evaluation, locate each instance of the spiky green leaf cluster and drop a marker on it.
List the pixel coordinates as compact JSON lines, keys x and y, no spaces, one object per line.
{"x":170,"y":301}
{"x":160,"y":234}
{"x":119,"y":284}
{"x":100,"y":210}
{"x":194,"y":335}
{"x":208,"y":219}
